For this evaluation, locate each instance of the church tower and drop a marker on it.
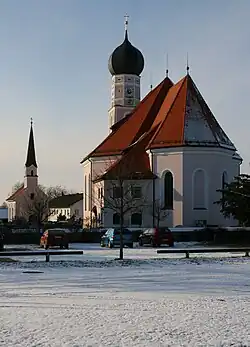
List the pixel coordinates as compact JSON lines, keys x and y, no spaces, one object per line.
{"x":125,"y":65}
{"x":31,"y":177}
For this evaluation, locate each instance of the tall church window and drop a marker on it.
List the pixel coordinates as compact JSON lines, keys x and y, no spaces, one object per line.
{"x":136,"y":219}
{"x":32,"y":173}
{"x":199,"y":190}
{"x":168,"y":191}
{"x":116,"y":219}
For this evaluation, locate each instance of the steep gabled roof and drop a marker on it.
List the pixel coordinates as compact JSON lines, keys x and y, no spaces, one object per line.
{"x":185,"y":119}
{"x":16,"y":193}
{"x":135,"y":124}
{"x":65,"y":201}
{"x":134,"y":162}
{"x":31,"y":154}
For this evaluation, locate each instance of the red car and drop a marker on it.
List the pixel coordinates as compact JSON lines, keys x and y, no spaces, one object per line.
{"x":155,"y":237}
{"x":54,"y":237}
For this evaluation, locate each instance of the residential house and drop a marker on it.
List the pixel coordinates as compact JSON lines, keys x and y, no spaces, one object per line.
{"x":69,"y":206}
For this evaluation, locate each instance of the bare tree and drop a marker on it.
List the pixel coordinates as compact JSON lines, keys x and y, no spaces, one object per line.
{"x":122,"y":189}
{"x":36,"y":206}
{"x":16,"y":186}
{"x":158,"y":213}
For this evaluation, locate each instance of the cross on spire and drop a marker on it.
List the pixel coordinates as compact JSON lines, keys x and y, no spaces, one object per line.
{"x":31,"y":121}
{"x":126,"y":22}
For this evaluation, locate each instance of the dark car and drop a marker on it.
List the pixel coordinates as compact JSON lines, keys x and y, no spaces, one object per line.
{"x":112,"y":238}
{"x":155,"y":237}
{"x":54,"y":238}
{"x":1,"y":241}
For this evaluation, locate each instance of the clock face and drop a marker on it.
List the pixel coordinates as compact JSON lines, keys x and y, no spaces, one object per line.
{"x":129,"y":92}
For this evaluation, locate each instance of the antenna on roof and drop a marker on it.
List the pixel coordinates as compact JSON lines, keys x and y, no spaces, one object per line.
{"x":167,"y":65}
{"x":187,"y":65}
{"x":151,"y":83}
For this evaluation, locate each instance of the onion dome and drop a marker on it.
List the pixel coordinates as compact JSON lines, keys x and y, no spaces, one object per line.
{"x":126,"y":59}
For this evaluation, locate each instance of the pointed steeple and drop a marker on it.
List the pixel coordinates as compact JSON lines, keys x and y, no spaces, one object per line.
{"x":31,"y":154}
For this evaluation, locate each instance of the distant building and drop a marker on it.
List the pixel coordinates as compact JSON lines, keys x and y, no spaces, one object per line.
{"x":70,"y":206}
{"x":3,"y":214}
{"x":19,"y":202}
{"x":168,"y":147}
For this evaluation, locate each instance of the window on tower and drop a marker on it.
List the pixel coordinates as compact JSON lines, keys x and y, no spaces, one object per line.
{"x":32,"y":173}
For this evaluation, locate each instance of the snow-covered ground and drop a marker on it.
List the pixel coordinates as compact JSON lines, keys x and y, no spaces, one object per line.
{"x":147,"y":300}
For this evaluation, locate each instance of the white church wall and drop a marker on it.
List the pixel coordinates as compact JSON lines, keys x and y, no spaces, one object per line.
{"x":91,"y":169}
{"x":213,"y":162}
{"x":170,"y":160}
{"x":141,"y":205}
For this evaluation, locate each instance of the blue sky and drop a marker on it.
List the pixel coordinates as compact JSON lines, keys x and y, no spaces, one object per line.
{"x":53,"y":67}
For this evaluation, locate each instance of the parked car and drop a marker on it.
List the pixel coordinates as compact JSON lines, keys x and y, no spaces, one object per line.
{"x":111,"y":238}
{"x":155,"y":237}
{"x":54,"y":237}
{"x":1,"y":241}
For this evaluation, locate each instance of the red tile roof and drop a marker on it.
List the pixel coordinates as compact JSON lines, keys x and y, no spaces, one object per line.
{"x":135,"y":124}
{"x":169,"y":116}
{"x":134,"y":162}
{"x":185,"y":119}
{"x":17,"y":192}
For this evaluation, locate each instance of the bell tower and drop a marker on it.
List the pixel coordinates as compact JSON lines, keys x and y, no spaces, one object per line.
{"x":125,"y":65}
{"x":31,"y":177}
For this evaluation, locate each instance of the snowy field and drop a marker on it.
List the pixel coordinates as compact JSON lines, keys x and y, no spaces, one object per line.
{"x":147,"y":300}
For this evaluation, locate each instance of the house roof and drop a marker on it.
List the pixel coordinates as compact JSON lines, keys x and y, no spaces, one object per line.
{"x":65,"y":201}
{"x":19,"y":191}
{"x":134,"y":163}
{"x":135,"y":124}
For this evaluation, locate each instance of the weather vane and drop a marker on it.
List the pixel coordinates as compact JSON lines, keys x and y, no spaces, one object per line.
{"x":126,"y":22}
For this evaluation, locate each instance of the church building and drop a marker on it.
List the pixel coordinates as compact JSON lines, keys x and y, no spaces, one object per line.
{"x":168,"y":148}
{"x":20,"y":201}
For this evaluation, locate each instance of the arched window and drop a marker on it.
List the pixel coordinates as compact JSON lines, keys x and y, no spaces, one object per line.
{"x":32,"y":173}
{"x":224,"y":181}
{"x":85,"y":193}
{"x":199,"y":190}
{"x":136,"y":219}
{"x":116,"y":218}
{"x":168,"y":191}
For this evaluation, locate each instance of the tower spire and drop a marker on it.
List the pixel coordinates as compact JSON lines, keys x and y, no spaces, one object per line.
{"x":126,"y":26}
{"x":31,"y":154}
